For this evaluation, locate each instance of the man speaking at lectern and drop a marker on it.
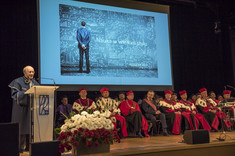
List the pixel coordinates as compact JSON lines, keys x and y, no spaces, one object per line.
{"x":20,"y":107}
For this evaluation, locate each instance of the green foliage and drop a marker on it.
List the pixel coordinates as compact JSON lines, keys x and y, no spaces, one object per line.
{"x":72,"y":113}
{"x":57,"y":131}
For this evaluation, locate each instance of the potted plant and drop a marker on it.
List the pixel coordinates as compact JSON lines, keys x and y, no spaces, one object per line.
{"x":87,"y":133}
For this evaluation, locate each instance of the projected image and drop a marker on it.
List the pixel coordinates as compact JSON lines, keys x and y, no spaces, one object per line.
{"x":112,"y":44}
{"x":84,"y":43}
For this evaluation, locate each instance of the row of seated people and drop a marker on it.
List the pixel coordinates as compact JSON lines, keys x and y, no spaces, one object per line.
{"x":173,"y":116}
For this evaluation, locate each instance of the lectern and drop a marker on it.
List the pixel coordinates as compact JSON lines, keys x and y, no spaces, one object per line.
{"x":41,"y":113}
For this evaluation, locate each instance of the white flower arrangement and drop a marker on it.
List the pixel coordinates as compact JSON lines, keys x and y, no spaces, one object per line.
{"x":88,"y":121}
{"x":87,"y":128}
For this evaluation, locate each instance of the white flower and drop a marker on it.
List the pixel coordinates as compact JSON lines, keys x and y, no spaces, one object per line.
{"x":89,"y":121}
{"x":64,"y":128}
{"x":75,"y":117}
{"x":84,"y":113}
{"x":96,"y":113}
{"x":106,"y":114}
{"x":108,"y":127}
{"x":108,"y":121}
{"x":73,"y":129}
{"x":84,"y":125}
{"x":113,"y":119}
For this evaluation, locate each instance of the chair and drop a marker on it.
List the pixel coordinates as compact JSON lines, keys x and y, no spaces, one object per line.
{"x":150,"y":128}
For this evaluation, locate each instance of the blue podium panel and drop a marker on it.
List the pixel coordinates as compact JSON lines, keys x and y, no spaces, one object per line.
{"x":43,"y":104}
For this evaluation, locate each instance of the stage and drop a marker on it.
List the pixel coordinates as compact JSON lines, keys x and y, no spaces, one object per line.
{"x":169,"y":145}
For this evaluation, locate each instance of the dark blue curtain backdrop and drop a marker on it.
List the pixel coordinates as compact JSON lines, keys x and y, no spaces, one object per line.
{"x":199,"y":57}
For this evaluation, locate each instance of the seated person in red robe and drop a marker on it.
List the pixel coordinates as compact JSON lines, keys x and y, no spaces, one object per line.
{"x":84,"y":103}
{"x":227,"y":95}
{"x":173,"y":117}
{"x":134,"y":118}
{"x":106,"y":103}
{"x":190,"y":108}
{"x":189,"y":122}
{"x":224,"y":122}
{"x":204,"y":107}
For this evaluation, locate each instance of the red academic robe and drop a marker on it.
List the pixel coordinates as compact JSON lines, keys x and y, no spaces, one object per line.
{"x":205,"y":110}
{"x":199,"y":117}
{"x":221,"y":115}
{"x":86,"y":103}
{"x":111,"y":104}
{"x":170,"y":113}
{"x":132,"y":107}
{"x":192,"y":120}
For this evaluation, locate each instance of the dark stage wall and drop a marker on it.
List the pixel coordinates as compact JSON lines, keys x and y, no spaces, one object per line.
{"x":200,"y":58}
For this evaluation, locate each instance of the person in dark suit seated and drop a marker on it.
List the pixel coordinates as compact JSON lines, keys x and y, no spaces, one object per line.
{"x":151,"y":112}
{"x":64,"y":109}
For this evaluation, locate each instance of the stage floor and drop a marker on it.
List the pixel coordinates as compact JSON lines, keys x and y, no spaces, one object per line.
{"x":136,"y":146}
{"x":133,"y":145}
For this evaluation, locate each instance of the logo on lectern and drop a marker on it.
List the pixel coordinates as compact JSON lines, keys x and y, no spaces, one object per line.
{"x":43,"y":104}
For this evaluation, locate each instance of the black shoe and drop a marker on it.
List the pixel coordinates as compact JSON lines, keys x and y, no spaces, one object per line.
{"x":214,"y":130}
{"x":80,"y":71}
{"x":27,"y":148}
{"x":88,"y":71}
{"x":140,"y":135}
{"x":21,"y":151}
{"x":165,"y":133}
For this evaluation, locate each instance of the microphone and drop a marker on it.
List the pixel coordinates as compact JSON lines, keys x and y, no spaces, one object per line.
{"x":48,"y":79}
{"x":230,"y":87}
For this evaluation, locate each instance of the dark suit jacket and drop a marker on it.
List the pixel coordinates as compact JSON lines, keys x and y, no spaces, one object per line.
{"x":147,"y":109}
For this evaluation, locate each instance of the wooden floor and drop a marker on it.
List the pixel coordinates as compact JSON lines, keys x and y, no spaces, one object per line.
{"x":160,"y":143}
{"x":154,"y":144}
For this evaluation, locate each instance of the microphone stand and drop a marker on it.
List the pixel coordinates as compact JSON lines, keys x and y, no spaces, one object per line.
{"x":231,"y":87}
{"x":48,"y":79}
{"x":223,"y":135}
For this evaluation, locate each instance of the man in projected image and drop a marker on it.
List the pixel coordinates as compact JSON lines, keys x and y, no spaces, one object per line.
{"x":83,"y":37}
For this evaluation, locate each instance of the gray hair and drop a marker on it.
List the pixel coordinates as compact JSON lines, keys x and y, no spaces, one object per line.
{"x":25,"y":68}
